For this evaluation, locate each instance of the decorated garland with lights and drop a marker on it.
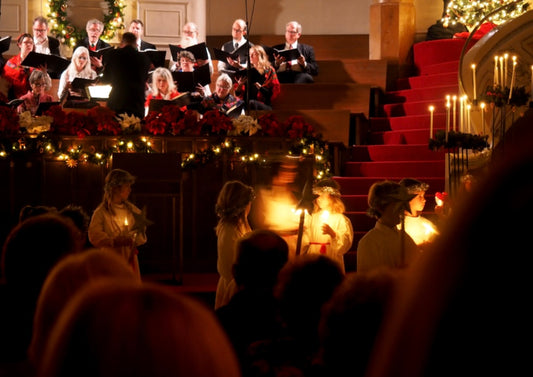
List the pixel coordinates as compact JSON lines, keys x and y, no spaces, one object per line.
{"x":471,"y":13}
{"x":26,"y":135}
{"x":69,"y":34}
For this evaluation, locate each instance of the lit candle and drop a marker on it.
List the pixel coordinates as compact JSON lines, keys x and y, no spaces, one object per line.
{"x":512,"y":78}
{"x":461,"y":113}
{"x":501,"y":79}
{"x":454,"y":98}
{"x":495,"y":79}
{"x":474,"y":79}
{"x":431,"y":108}
{"x":125,"y":222}
{"x":447,"y":118}
{"x":324,"y":216}
{"x":482,"y":118}
{"x":468,"y":125}
{"x":505,"y":57}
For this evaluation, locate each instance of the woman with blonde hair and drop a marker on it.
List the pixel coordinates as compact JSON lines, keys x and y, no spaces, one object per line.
{"x":117,"y":223}
{"x":79,"y":67}
{"x":265,"y":86}
{"x":232,"y":208}
{"x":163,"y":87}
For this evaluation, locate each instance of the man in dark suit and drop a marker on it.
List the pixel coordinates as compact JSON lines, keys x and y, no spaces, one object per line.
{"x":137,"y":28}
{"x":45,"y":44}
{"x":127,"y":72}
{"x":298,"y":71}
{"x":92,"y":41}
{"x":238,"y":33}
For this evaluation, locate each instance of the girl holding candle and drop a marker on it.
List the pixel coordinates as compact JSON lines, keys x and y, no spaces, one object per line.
{"x":117,"y":223}
{"x":328,"y":231}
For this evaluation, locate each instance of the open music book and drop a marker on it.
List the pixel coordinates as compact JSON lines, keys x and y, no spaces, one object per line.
{"x":100,"y":52}
{"x":79,"y":84}
{"x":291,"y":54}
{"x":157,"y":57}
{"x":254,"y":75}
{"x":157,"y":104}
{"x":199,"y":51}
{"x":53,"y":63}
{"x":44,"y":106}
{"x":5,"y":43}
{"x":239,"y":53}
{"x":187,"y":81}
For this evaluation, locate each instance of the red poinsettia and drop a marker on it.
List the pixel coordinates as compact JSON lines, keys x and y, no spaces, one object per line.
{"x":214,"y":122}
{"x":9,"y":121}
{"x":103,"y":120}
{"x":297,"y":127}
{"x":270,"y":125}
{"x":160,"y":123}
{"x":188,"y":124}
{"x":60,"y":124}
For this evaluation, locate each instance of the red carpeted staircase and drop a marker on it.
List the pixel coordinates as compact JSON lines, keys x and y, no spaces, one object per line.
{"x":397,"y":144}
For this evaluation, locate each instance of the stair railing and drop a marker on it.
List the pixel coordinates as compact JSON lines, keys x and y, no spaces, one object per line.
{"x":458,"y":168}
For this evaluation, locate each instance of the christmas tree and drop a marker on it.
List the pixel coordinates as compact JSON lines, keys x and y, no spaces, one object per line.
{"x":471,"y":13}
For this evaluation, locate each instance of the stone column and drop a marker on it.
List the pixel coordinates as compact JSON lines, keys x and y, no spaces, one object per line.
{"x":392,"y":30}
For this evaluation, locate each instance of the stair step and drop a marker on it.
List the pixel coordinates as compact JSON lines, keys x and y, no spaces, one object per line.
{"x":451,"y":66}
{"x":360,"y":222}
{"x":398,"y":152}
{"x":438,"y":51}
{"x":414,"y":108}
{"x":437,"y":94}
{"x":418,"y":136}
{"x":361,"y":185}
{"x":425,"y":81}
{"x":398,"y":169}
{"x":355,"y":202}
{"x":407,"y":122}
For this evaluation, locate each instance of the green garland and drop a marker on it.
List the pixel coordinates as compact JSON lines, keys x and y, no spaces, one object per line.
{"x":68,"y":34}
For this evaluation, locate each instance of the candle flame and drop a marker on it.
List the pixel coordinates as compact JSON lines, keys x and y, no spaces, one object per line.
{"x":324,"y":216}
{"x":126,"y":221}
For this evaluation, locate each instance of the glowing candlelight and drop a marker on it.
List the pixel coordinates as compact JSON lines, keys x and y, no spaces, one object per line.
{"x":447,"y":117}
{"x":125,"y":222}
{"x":495,"y":79}
{"x":505,"y":57}
{"x":461,"y":113}
{"x":454,"y":98}
{"x":482,"y":118}
{"x":324,"y":216}
{"x":431,"y":109}
{"x":512,"y":78}
{"x":474,"y":79}
{"x":468,"y":124}
{"x":501,"y":79}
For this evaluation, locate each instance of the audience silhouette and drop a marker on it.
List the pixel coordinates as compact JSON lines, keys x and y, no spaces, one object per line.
{"x":29,"y":252}
{"x":65,"y":279}
{"x":119,"y":328}
{"x":252,"y":313}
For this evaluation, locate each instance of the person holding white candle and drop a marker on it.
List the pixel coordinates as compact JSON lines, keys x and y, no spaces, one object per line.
{"x":328,"y":231}
{"x":422,"y":230}
{"x":117,"y":223}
